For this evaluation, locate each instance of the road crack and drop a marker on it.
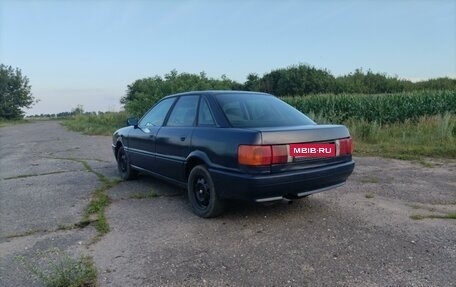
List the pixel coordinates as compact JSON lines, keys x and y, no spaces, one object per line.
{"x":94,"y":212}
{"x":36,"y":174}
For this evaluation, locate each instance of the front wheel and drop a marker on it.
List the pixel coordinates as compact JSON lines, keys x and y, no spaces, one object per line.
{"x":201,"y":193}
{"x":123,"y":165}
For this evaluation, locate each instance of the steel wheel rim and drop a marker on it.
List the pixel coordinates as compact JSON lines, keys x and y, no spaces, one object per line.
{"x":202,"y":192}
{"x":122,"y":162}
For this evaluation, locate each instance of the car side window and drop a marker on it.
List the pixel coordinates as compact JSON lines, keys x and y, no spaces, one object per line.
{"x":184,"y":112}
{"x":156,"y":116}
{"x":205,"y":117}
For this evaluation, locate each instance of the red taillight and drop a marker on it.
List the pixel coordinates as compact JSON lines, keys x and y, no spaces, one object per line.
{"x":254,"y":155}
{"x":257,"y":155}
{"x":345,"y":146}
{"x":279,"y":154}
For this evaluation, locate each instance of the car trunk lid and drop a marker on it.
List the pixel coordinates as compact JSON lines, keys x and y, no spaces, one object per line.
{"x":335,"y":135}
{"x":302,"y":134}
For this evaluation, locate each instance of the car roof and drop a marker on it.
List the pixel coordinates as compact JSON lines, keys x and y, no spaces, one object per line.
{"x":215,"y":92}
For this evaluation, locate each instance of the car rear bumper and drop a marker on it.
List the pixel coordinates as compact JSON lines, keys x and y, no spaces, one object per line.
{"x":271,"y":187}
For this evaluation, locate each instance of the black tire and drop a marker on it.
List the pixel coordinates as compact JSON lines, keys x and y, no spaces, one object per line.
{"x":124,"y":167}
{"x":202,"y":195}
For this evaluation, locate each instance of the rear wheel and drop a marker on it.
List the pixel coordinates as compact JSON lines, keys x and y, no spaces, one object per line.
{"x":201,"y":193}
{"x":124,"y":167}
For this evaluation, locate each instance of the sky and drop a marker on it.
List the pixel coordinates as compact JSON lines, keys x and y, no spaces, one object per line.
{"x":87,"y":52}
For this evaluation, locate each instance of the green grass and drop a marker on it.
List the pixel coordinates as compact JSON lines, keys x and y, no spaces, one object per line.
{"x":55,"y":268}
{"x":5,"y":123}
{"x":369,"y":195}
{"x":404,"y":138}
{"x":430,"y":136}
{"x":433,"y":216}
{"x":104,"y":124}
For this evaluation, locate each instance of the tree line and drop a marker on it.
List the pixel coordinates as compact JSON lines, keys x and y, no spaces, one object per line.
{"x":297,"y":80}
{"x":15,"y":93}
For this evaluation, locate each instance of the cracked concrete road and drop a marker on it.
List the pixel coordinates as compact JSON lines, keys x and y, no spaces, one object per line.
{"x":358,"y":235}
{"x":43,"y":188}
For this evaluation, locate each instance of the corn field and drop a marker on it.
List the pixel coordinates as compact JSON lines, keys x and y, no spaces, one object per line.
{"x":382,"y":109}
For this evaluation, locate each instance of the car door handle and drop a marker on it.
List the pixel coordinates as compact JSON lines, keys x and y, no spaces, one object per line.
{"x":152,"y":136}
{"x":182,"y":139}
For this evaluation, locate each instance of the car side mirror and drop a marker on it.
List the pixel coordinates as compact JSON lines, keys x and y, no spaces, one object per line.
{"x":132,"y":122}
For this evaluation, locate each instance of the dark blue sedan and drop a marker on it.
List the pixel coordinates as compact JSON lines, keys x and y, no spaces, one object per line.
{"x":234,"y":145}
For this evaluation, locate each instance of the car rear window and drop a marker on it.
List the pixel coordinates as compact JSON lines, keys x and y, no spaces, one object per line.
{"x":260,"y":110}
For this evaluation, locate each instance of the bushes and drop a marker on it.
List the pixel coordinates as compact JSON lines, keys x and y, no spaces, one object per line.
{"x":302,"y":80}
{"x":92,"y":124}
{"x":143,"y":93}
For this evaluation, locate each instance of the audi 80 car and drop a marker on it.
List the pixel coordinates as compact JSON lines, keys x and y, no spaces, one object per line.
{"x":221,"y":145}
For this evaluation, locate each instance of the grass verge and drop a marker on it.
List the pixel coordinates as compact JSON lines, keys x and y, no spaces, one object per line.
{"x":103,"y":124}
{"x":433,"y":136}
{"x":55,"y":268}
{"x":5,"y":123}
{"x":428,"y":136}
